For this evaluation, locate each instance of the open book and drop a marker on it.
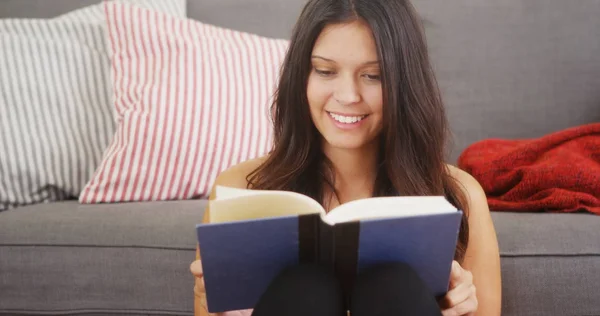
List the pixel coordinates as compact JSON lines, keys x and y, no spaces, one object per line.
{"x":252,"y":235}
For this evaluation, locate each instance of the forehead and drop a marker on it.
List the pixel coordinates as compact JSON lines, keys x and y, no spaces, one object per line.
{"x":350,"y":42}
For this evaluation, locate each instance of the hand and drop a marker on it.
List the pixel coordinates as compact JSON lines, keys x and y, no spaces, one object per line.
{"x":460,"y":299}
{"x":196,"y":269}
{"x":200,"y":293}
{"x":199,"y":290}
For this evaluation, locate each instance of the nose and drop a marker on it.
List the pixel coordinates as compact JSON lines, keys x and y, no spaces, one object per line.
{"x":347,"y":92}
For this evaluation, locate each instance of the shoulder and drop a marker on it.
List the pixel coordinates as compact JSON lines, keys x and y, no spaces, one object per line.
{"x":236,"y":175}
{"x":474,"y":193}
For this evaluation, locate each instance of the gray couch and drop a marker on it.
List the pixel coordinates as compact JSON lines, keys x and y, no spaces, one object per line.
{"x":508,"y":68}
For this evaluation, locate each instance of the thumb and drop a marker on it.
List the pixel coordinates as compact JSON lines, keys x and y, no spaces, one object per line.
{"x":455,"y":273}
{"x":196,"y":269}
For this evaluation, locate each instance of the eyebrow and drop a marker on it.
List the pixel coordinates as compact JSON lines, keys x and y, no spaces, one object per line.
{"x":332,"y":61}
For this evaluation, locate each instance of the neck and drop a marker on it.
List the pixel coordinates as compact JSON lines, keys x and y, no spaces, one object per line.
{"x":354,"y":170}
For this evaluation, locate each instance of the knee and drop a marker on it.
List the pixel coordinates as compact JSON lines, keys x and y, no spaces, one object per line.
{"x":302,"y":290}
{"x":390,"y":273}
{"x":397,"y":267}
{"x":392,"y":289}
{"x":308,"y":275}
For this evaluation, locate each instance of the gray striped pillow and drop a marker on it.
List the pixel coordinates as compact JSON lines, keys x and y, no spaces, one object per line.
{"x":56,"y":114}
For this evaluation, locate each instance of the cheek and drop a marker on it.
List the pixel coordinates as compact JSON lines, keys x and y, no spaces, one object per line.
{"x":317,"y":93}
{"x":373,"y":96}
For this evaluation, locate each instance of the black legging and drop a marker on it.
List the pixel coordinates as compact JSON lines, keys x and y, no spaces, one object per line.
{"x":386,"y":290}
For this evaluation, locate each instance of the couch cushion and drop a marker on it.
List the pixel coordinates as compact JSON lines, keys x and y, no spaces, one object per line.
{"x":40,"y":8}
{"x":110,"y":258}
{"x":56,"y":115}
{"x":509,"y":69}
{"x":506,"y":68}
{"x":43,"y":9}
{"x":547,"y":234}
{"x":140,"y":253}
{"x":249,"y":15}
{"x":549,"y":263}
{"x":514,"y":68}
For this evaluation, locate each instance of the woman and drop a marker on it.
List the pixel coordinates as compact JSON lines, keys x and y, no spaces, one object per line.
{"x":358,"y":114}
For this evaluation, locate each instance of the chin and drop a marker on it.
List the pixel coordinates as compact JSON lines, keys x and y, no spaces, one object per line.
{"x":347,"y":144}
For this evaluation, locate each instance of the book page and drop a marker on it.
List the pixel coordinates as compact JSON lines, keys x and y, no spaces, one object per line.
{"x":389,"y":207}
{"x":223,"y":192}
{"x":232,"y":204}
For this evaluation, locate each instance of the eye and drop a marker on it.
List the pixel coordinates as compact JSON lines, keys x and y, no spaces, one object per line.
{"x":372,"y":77}
{"x":324,"y":73}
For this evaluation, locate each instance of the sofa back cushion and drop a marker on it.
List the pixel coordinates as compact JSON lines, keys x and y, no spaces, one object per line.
{"x":509,"y":69}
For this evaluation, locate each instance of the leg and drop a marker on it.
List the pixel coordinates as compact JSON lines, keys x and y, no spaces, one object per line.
{"x":302,"y":290}
{"x":390,"y":290}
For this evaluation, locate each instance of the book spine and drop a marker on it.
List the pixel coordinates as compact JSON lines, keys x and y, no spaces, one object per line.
{"x":345,"y":254}
{"x":326,"y":246}
{"x":308,"y":238}
{"x":335,"y":247}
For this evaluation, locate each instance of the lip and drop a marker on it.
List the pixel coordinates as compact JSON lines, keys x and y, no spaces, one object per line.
{"x":346,"y":114}
{"x":346,"y":126}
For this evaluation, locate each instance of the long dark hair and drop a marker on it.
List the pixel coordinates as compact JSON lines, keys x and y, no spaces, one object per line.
{"x":415,"y":129}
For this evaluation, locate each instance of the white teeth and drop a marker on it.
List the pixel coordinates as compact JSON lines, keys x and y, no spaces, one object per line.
{"x":347,"y":119}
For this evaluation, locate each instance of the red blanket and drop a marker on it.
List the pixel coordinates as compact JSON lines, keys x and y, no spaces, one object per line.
{"x":559,"y":172}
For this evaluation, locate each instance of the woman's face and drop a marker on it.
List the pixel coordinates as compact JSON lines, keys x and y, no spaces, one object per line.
{"x":344,"y":88}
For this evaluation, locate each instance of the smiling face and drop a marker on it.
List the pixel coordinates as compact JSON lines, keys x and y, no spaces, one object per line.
{"x":344,"y":89}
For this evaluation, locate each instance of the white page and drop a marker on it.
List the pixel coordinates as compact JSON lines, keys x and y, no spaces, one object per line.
{"x":389,"y":207}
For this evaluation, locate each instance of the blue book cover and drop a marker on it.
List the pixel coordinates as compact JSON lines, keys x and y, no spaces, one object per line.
{"x":252,"y":236}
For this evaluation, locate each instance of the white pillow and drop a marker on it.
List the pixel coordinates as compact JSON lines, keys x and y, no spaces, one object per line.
{"x":56,"y":113}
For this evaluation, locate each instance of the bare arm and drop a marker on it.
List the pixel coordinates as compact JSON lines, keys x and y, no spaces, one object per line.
{"x":199,"y":292}
{"x":233,"y":177}
{"x":482,"y":257}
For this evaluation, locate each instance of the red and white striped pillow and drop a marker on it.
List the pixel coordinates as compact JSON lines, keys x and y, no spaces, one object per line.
{"x":191,"y":99}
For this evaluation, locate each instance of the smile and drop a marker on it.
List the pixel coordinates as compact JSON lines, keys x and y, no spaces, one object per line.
{"x":346,"y":119}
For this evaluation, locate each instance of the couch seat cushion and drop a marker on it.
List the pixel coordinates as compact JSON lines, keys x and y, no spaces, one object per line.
{"x":133,"y":258}
{"x":550,"y":263}
{"x":112,"y":259}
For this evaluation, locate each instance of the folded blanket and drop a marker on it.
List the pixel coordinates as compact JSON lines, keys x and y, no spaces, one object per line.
{"x":558,"y":172}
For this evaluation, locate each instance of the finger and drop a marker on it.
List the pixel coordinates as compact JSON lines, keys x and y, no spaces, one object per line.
{"x":196,"y":269}
{"x":459,"y":294}
{"x":468,"y":276}
{"x":464,"y":308}
{"x":455,"y":274}
{"x":456,"y":266}
{"x":449,"y":312}
{"x":199,"y":288}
